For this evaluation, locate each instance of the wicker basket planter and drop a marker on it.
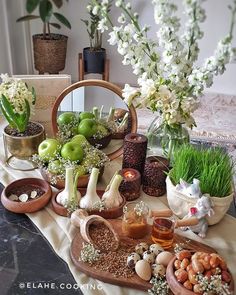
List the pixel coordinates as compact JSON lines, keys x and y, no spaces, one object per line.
{"x":49,"y":53}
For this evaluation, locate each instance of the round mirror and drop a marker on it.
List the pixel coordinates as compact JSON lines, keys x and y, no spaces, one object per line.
{"x":101,"y":114}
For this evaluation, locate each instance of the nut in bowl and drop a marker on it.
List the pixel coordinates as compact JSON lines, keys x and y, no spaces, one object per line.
{"x":199,"y":273}
{"x":26,"y":195}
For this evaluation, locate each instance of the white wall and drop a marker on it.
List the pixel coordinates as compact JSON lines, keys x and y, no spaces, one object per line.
{"x":215,"y":27}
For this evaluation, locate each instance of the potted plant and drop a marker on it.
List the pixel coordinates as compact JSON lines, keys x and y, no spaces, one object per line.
{"x":49,"y":48}
{"x":198,"y":172}
{"x":21,"y":137}
{"x":94,"y":56}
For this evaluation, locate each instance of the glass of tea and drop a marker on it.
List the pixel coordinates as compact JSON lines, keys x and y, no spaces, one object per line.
{"x":163,"y":232}
{"x":135,"y":220}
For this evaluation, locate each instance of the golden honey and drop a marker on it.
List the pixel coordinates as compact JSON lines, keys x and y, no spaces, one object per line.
{"x":163,"y":232}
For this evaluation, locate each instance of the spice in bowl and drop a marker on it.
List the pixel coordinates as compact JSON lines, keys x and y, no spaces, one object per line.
{"x":102,"y":237}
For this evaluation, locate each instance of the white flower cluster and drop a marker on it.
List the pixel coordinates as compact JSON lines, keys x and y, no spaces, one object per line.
{"x":168,"y":79}
{"x":16,"y":91}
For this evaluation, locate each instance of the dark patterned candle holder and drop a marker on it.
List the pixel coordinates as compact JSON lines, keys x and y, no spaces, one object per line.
{"x":135,"y":149}
{"x":154,"y":176}
{"x":130,"y":186}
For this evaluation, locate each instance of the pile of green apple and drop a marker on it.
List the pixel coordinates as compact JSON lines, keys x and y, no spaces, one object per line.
{"x":85,"y":124}
{"x":77,"y":152}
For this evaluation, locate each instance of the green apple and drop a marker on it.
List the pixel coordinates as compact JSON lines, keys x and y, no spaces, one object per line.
{"x":56,"y":167}
{"x":87,"y":127}
{"x":81,"y":140}
{"x":66,"y":118}
{"x":72,"y":151}
{"x":48,"y":149}
{"x":86,"y":115}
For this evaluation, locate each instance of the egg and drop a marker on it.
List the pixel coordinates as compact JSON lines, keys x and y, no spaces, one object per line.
{"x":141,"y":247}
{"x":143,"y":270}
{"x":132,"y":259}
{"x":158,"y":270}
{"x":149,"y":256}
{"x":164,"y":258}
{"x":156,"y":249}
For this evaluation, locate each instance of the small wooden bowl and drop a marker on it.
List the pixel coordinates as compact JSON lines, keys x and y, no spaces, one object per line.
{"x":57,"y":208}
{"x":176,"y":287}
{"x":118,"y":135}
{"x":100,"y":143}
{"x":29,"y":206}
{"x":107,"y":214}
{"x":60,"y":183}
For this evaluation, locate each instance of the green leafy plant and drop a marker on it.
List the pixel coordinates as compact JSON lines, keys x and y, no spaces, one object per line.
{"x":16,"y":102}
{"x":213,"y":167}
{"x":92,"y":25}
{"x":46,"y":12}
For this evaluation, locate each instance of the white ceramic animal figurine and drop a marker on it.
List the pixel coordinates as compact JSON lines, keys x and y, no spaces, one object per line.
{"x":192,"y":190}
{"x":203,"y":207}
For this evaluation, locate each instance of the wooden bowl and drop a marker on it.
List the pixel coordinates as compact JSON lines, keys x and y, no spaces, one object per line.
{"x":176,"y":287}
{"x":118,"y":135}
{"x":107,"y":214}
{"x":60,"y":183}
{"x":29,"y":206}
{"x":57,"y":208}
{"x":100,"y":143}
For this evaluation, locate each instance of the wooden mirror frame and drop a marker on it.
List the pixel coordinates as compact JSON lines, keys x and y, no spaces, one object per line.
{"x":100,"y":83}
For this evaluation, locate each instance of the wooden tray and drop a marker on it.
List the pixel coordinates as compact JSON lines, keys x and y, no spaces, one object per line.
{"x":134,"y":282}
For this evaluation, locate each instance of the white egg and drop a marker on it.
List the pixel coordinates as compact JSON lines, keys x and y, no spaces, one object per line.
{"x":149,"y":256}
{"x":143,"y":270}
{"x":13,"y":197}
{"x":156,"y":249}
{"x":141,"y":247}
{"x":158,"y":270}
{"x":164,"y":258}
{"x":132,"y":259}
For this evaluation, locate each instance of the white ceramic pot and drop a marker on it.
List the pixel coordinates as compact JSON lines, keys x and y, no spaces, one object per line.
{"x":180,"y":203}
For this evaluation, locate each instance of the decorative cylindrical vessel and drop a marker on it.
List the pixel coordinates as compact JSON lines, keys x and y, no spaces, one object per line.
{"x":135,"y":149}
{"x":130,"y":186}
{"x":154,"y":176}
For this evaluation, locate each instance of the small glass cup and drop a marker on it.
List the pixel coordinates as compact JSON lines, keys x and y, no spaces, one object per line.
{"x":163,"y":232}
{"x":135,"y":220}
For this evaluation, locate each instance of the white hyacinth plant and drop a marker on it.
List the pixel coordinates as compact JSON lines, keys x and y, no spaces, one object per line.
{"x":16,"y":102}
{"x":169,"y":79}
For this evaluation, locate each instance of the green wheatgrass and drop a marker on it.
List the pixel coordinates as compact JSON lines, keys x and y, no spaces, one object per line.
{"x":213,"y":167}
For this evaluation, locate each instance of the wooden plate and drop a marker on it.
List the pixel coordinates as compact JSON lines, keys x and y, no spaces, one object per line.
{"x":107,"y":214}
{"x":134,"y":282}
{"x":60,"y":183}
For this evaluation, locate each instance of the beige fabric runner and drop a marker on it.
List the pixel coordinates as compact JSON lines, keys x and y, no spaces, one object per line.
{"x":59,"y":232}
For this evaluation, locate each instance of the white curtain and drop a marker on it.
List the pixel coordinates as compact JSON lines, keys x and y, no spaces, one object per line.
{"x":15,"y":44}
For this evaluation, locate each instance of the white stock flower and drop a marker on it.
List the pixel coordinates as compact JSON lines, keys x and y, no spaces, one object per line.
{"x":129,"y":93}
{"x":121,"y":19}
{"x":95,"y":10}
{"x":119,"y":3}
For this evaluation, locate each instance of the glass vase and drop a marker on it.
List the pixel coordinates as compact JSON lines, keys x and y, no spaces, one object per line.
{"x":164,"y":139}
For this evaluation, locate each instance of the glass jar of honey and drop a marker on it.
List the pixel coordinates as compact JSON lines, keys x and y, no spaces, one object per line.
{"x":135,"y":220}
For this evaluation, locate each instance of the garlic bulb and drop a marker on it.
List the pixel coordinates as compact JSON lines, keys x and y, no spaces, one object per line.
{"x":91,"y":196}
{"x":70,"y":194}
{"x":112,"y":197}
